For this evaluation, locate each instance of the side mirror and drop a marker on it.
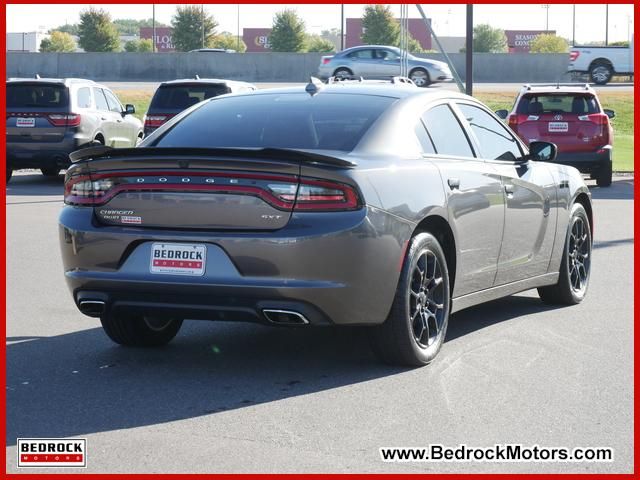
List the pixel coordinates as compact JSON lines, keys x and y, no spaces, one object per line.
{"x":129,"y":109}
{"x":543,"y":151}
{"x":609,"y":113}
{"x":503,"y":114}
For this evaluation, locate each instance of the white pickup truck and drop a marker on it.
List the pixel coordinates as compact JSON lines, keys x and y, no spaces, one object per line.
{"x":601,"y":63}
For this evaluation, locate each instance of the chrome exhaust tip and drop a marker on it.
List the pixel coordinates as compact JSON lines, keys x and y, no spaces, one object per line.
{"x":285,"y":317}
{"x":92,"y":308}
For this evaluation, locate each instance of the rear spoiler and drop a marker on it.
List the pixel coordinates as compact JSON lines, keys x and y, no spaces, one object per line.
{"x":293,"y":155}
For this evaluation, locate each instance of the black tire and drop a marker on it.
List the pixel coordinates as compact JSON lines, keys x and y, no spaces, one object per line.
{"x":600,"y":73}
{"x":420,"y":77}
{"x":135,"y":330}
{"x":50,"y":171}
{"x":343,"y":72}
{"x":575,"y":267}
{"x":9,"y":174}
{"x":401,"y":339}
{"x":604,"y":176}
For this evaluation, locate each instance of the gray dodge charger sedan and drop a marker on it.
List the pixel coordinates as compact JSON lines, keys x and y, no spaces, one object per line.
{"x":384,"y":206}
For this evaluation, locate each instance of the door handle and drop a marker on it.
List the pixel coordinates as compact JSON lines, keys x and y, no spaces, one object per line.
{"x":508,"y":188}
{"x":454,"y":183}
{"x":103,"y":118}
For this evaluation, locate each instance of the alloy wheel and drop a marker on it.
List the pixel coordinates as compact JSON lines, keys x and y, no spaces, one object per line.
{"x":579,"y":256}
{"x":419,"y":78}
{"x":426,"y":302}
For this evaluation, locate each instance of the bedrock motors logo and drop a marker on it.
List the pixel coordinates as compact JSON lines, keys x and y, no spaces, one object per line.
{"x":52,"y":452}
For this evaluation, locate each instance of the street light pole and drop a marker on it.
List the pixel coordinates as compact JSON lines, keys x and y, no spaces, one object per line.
{"x":153,"y":33}
{"x":606,"y":29}
{"x":468,"y":77}
{"x":574,"y":24}
{"x":238,"y":42}
{"x":342,"y":26}
{"x":546,"y":7}
{"x":202,"y":18}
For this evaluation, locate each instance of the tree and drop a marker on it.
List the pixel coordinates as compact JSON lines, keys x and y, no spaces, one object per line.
{"x":287,"y":34}
{"x":70,"y":28}
{"x":548,"y":43}
{"x":620,"y":43}
{"x":333,"y":36}
{"x":58,"y":42}
{"x":488,"y":39}
{"x":316,"y":43}
{"x":188,"y":23}
{"x":380,"y":26}
{"x":228,"y":41}
{"x":96,"y":32}
{"x":141,"y":45}
{"x":129,"y":26}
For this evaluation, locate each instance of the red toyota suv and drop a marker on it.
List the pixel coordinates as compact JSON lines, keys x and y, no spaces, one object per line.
{"x":571,"y":117}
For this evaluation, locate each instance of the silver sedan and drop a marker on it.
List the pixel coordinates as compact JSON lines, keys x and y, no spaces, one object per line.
{"x":379,"y":61}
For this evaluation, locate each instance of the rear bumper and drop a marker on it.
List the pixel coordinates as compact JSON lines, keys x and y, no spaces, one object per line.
{"x":587,"y":162}
{"x":320,"y":265}
{"x":42,"y":155}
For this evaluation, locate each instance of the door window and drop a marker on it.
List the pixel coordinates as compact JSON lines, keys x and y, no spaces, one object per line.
{"x":446,"y":132}
{"x":114,"y":104}
{"x":495,"y":141}
{"x":365,"y":54}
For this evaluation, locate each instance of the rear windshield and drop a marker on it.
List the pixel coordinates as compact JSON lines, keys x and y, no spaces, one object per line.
{"x":183,"y":96}
{"x":579,"y":104}
{"x":37,"y":96}
{"x":326,"y":121}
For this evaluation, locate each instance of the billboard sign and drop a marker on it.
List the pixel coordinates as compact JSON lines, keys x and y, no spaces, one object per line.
{"x":519,"y":41}
{"x":256,"y":39}
{"x":163,"y":39}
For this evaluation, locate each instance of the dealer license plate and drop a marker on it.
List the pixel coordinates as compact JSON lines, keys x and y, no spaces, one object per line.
{"x":178,"y":258}
{"x":558,"y":127}
{"x":25,"y":122}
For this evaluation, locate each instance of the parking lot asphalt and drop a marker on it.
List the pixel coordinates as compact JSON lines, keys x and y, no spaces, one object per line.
{"x":228,"y":397}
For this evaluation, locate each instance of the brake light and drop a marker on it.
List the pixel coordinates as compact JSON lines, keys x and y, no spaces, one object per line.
{"x":282,"y":192}
{"x":157,"y":119}
{"x":64,"y":119}
{"x":573,"y":55}
{"x":326,"y":60}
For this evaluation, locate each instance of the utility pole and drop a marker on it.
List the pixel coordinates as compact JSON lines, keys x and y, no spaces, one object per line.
{"x":468,"y":80}
{"x":202,"y":18}
{"x":606,"y":27}
{"x":238,"y":42}
{"x":153,"y":24}
{"x":342,"y":26}
{"x":574,"y":24}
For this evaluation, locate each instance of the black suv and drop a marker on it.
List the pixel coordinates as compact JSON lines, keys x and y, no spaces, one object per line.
{"x":173,"y":97}
{"x":48,"y":118}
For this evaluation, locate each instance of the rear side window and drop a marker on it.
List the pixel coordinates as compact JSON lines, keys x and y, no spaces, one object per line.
{"x":34,"y":95}
{"x":577,"y":104}
{"x":101,"y":101}
{"x":84,"y":97}
{"x":325,"y":121}
{"x":423,"y":138}
{"x":184,"y":96}
{"x":496,"y":143}
{"x":446,"y":132}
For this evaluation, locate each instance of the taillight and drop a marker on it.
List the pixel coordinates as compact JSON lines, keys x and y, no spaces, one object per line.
{"x":157,"y":119}
{"x":326,"y":60}
{"x":573,"y":55}
{"x":282,"y":192}
{"x":318,"y":195}
{"x":516,"y":119}
{"x":64,"y":119}
{"x":597,"y":118}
